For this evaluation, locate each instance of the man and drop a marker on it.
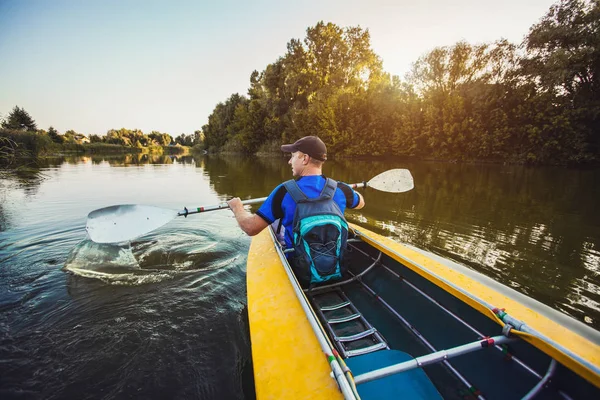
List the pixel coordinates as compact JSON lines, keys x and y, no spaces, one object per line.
{"x":308,"y":155}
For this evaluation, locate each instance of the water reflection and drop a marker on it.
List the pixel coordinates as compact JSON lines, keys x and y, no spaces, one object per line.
{"x":116,"y":160}
{"x":535,"y":229}
{"x":24,"y":176}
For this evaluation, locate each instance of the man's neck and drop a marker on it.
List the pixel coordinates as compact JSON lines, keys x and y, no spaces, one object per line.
{"x":309,"y":171}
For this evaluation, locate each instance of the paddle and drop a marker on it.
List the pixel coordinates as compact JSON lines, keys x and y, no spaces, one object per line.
{"x":125,"y":222}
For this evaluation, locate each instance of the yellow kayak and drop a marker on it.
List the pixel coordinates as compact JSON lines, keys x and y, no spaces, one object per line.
{"x":407,"y":323}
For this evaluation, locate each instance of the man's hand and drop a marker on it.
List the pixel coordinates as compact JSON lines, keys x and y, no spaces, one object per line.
{"x":235,"y":204}
{"x":251,"y":224}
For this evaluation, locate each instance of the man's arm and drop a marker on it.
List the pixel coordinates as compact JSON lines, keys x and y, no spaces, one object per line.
{"x":352,"y":196}
{"x":361,"y":202}
{"x":250,"y":223}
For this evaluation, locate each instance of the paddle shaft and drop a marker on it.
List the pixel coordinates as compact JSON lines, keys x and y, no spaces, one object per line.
{"x":359,"y":185}
{"x":185,"y":212}
{"x":127,"y":221}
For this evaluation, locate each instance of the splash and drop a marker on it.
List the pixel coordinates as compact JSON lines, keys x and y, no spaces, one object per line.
{"x":88,"y":255}
{"x":154,"y":259}
{"x":110,"y":263}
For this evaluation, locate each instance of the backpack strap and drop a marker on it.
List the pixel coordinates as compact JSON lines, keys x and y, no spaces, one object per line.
{"x":299,"y":197}
{"x":294,"y":190}
{"x":329,"y":189}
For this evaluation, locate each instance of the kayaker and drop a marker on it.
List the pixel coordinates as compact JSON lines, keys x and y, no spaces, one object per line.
{"x":307,"y":157}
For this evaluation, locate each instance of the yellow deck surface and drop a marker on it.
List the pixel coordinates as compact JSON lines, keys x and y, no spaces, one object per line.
{"x":433,"y":271}
{"x":288,"y":361}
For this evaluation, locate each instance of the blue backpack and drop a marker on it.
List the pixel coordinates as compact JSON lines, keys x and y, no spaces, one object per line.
{"x":320,"y":234}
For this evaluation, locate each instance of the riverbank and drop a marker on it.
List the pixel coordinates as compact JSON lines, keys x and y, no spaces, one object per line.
{"x":272,"y":149}
{"x":410,"y":159}
{"x":18,"y":143}
{"x":27,"y":145}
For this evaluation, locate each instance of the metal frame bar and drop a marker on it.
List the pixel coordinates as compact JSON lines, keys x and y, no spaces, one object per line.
{"x":540,"y":385}
{"x":454,"y":316}
{"x":457,"y":374}
{"x":462,"y":321}
{"x":506,"y":318}
{"x":526,"y":367}
{"x":432,"y":358}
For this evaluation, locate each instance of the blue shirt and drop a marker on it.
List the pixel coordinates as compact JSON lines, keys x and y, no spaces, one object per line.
{"x":280,"y":204}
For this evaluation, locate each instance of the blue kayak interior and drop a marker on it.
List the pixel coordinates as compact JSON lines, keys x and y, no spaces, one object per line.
{"x":395,"y":315}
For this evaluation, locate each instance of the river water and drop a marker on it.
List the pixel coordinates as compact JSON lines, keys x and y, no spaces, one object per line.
{"x":164,"y":316}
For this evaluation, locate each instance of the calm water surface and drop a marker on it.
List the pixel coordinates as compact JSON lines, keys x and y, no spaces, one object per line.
{"x":164,"y":317}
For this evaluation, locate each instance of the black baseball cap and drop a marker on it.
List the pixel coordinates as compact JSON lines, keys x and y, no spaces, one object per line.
{"x":311,"y":145}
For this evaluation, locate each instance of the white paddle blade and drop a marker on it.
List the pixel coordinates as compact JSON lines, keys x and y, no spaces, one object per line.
{"x":121,"y":223}
{"x":393,"y":181}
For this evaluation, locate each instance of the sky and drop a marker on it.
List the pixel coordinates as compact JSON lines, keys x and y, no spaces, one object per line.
{"x":97,"y":65}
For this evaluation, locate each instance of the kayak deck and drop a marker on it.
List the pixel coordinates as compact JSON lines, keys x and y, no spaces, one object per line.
{"x":287,"y":359}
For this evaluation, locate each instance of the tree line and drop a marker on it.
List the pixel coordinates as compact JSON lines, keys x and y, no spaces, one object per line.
{"x":537,"y":102}
{"x":19,"y":135}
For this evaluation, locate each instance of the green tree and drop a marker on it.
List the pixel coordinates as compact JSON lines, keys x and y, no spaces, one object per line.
{"x":563,"y":55}
{"x":218,"y":131}
{"x":54,"y":135}
{"x":198,"y":138}
{"x":564,"y":49}
{"x":69,"y":136}
{"x":114,"y":136}
{"x":463,"y":88}
{"x":314,"y":87}
{"x":19,"y":119}
{"x":160,"y":139}
{"x":185,"y":140}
